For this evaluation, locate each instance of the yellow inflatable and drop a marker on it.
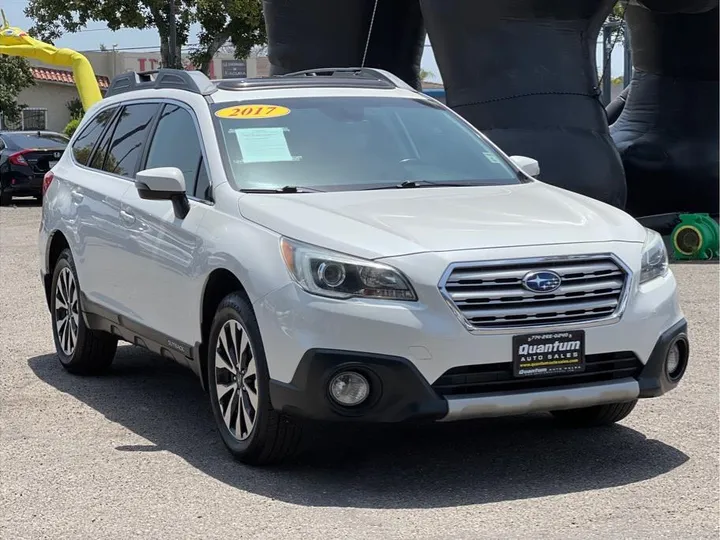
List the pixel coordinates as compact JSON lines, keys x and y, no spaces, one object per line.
{"x":17,"y":42}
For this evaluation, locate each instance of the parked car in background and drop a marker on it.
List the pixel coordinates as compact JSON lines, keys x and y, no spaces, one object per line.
{"x":25,"y":157}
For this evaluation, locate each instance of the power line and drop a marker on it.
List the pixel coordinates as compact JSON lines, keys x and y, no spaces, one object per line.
{"x":148,"y":48}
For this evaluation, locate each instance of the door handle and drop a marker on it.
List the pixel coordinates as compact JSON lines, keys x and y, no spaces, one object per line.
{"x":77,"y":196}
{"x":127,"y":217}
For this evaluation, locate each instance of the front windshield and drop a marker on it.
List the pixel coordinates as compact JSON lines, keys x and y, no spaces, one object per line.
{"x":350,"y":143}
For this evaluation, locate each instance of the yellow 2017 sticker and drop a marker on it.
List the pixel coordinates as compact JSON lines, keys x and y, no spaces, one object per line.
{"x":245,"y":112}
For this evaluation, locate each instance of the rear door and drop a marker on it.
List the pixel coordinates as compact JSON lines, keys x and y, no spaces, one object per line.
{"x":162,"y":275}
{"x":106,"y":167}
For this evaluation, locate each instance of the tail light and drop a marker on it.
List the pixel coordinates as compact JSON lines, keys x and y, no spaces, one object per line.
{"x":47,"y":180}
{"x":18,"y":158}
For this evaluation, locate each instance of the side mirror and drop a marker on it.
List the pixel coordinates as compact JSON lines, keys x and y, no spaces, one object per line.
{"x":528,"y":165}
{"x":164,"y":184}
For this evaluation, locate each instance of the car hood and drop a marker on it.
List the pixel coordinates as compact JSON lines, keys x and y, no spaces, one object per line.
{"x":387,"y":223}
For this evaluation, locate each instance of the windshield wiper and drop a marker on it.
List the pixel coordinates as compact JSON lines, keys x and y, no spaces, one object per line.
{"x":421,"y":183}
{"x":284,"y":189}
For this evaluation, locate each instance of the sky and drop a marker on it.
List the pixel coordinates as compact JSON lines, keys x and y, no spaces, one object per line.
{"x":129,"y":39}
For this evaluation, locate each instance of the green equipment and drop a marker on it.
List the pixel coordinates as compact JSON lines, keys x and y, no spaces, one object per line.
{"x":696,"y":237}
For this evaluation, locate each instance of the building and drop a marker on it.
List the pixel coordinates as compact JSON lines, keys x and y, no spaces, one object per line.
{"x":48,"y":102}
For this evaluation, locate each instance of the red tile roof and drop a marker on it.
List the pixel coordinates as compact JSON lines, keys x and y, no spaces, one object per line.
{"x":62,"y":76}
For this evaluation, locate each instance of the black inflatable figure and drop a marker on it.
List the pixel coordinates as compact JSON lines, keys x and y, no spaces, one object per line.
{"x":308,"y":34}
{"x":524,"y":72}
{"x":667,"y":132}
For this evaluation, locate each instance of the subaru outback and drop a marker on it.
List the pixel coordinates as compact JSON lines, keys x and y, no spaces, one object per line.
{"x":334,"y":245}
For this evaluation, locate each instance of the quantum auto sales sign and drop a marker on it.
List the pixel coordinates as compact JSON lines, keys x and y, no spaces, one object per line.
{"x":554,"y":353}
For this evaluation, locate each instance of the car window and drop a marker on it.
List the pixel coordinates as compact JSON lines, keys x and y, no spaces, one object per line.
{"x":342,"y":143}
{"x":103,"y":147}
{"x":128,"y":138}
{"x":85,"y":142}
{"x":176,"y":143}
{"x":31,"y":140}
{"x":202,"y":186}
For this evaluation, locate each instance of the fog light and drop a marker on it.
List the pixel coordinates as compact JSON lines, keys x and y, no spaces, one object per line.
{"x":673,"y":359}
{"x":676,"y":359}
{"x":349,"y":388}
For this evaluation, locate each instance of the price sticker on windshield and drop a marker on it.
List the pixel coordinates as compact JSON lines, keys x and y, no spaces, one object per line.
{"x":246,"y":112}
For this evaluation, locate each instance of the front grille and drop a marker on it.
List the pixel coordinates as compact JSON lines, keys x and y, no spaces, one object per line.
{"x":486,"y":378}
{"x":492,"y":295}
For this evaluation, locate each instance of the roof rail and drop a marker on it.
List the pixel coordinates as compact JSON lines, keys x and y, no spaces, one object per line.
{"x":192,"y":81}
{"x":276,"y":82}
{"x":353,"y":72}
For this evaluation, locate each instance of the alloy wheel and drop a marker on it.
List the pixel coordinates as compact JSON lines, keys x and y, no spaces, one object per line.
{"x":236,"y":379}
{"x":67,"y":311}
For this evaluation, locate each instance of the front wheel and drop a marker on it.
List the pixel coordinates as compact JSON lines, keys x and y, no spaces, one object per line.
{"x":80,"y":349}
{"x":238,"y":383}
{"x":598,"y":415}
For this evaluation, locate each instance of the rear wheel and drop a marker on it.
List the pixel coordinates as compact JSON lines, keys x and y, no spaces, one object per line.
{"x":5,"y":197}
{"x":599,"y":415}
{"x":238,"y":383}
{"x":81,"y":350}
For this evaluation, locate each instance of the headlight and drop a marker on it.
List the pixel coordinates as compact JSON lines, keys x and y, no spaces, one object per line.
{"x":654,"y":257}
{"x":328,"y":273}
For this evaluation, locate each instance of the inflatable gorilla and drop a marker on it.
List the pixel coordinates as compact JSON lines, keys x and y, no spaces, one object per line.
{"x":524,"y":72}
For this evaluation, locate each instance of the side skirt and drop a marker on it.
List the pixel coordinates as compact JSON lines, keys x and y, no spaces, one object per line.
{"x":102,"y":319}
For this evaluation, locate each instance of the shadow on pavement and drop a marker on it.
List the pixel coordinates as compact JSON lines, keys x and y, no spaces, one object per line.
{"x":372,"y":467}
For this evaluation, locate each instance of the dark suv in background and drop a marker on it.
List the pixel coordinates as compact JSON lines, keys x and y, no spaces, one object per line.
{"x":25,"y":157}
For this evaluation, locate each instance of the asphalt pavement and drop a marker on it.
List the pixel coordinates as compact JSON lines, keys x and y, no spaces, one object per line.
{"x":135,"y":454}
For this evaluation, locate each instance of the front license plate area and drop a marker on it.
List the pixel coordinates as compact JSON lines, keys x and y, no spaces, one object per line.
{"x":549,"y":354}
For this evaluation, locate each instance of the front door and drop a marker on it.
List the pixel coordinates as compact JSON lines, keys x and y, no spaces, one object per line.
{"x":163,"y":281}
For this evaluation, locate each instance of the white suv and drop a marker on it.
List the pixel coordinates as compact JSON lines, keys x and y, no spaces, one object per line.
{"x":334,"y":245}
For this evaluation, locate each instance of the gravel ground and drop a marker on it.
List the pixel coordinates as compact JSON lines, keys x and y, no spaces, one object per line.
{"x":135,"y":454}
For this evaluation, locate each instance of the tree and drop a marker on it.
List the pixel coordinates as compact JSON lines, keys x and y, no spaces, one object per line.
{"x":425,"y":75}
{"x":75,"y":107}
{"x":53,"y":18}
{"x":15,"y":76}
{"x":239,"y":22}
{"x":617,"y":16}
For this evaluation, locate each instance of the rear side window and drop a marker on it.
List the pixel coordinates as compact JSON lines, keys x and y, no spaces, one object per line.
{"x":88,"y":138}
{"x":128,"y":138}
{"x":176,"y":144}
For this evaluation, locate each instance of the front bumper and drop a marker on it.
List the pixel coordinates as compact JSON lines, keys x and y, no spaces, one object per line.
{"x":400,"y":393}
{"x":427,"y":332}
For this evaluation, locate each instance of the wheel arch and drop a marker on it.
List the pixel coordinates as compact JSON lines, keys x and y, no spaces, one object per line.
{"x":219,"y":284}
{"x":58,"y":243}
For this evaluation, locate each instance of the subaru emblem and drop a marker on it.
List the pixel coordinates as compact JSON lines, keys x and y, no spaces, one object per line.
{"x":543,"y":281}
{"x":56,"y":154}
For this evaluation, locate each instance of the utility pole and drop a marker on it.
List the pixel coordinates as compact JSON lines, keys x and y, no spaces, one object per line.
{"x":172,"y":45}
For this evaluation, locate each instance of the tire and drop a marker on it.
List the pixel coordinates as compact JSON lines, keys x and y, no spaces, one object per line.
{"x":5,"y":197}
{"x":599,"y":415}
{"x":268,"y":437}
{"x":81,"y":351}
